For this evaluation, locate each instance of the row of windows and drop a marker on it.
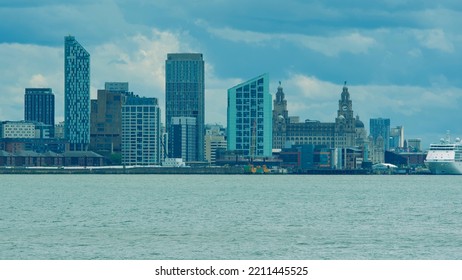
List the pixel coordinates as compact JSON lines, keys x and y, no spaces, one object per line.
{"x":126,"y":109}
{"x":253,"y":94}
{"x":27,"y":128}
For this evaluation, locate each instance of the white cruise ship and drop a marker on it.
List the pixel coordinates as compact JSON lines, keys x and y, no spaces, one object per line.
{"x":446,"y":157}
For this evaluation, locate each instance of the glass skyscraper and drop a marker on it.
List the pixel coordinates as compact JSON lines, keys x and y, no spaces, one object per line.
{"x":76,"y":95}
{"x":185,"y":96}
{"x":39,"y":105}
{"x":250,"y":118}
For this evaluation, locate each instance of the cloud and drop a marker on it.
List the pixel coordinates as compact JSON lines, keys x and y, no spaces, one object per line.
{"x":352,"y":42}
{"x":401,"y":58}
{"x":27,"y":66}
{"x":137,"y":59}
{"x":34,"y":22}
{"x":216,"y":95}
{"x":143,"y":58}
{"x":422,"y":110}
{"x":434,"y":39}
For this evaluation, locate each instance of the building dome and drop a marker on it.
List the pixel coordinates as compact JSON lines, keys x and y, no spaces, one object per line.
{"x":359,"y":123}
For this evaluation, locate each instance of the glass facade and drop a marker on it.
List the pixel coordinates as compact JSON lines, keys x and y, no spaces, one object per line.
{"x":140,"y":131}
{"x":76,"y":94}
{"x":250,"y":118}
{"x":184,"y":130}
{"x":185,"y":96}
{"x":39,"y":105}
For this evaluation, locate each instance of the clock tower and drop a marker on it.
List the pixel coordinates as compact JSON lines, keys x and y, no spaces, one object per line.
{"x":345,"y":121}
{"x":280,"y":119}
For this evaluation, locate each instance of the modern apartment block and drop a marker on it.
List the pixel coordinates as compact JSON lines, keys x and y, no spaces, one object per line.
{"x":183,"y":135}
{"x":76,"y":94}
{"x":39,"y":105}
{"x":250,"y":118}
{"x":185,"y":96}
{"x":141,"y":131}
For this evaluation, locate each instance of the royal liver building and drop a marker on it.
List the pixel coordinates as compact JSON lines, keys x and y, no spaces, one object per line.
{"x":346,"y":131}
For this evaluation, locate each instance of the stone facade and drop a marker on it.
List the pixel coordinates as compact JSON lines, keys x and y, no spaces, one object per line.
{"x":342,"y":133}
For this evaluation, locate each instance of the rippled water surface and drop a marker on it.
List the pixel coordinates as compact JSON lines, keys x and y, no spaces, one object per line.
{"x":230,"y":217}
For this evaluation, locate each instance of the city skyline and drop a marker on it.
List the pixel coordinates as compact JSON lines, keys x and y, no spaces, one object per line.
{"x":400,"y":59}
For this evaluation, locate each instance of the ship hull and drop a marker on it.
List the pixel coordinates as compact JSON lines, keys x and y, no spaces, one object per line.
{"x":445,"y":167}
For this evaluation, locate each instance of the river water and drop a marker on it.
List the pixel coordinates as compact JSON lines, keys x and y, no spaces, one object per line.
{"x":230,"y":217}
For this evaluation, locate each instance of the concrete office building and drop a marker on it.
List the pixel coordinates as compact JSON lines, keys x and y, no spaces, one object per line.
{"x":141,"y":131}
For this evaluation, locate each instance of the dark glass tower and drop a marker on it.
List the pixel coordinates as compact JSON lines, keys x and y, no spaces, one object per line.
{"x":39,"y":105}
{"x":185,"y":94}
{"x":76,"y":95}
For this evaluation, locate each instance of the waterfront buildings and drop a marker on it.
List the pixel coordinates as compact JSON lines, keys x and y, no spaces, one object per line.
{"x":414,"y":144}
{"x":380,"y":127}
{"x":17,"y":129}
{"x":379,"y":139}
{"x":280,"y":119}
{"x":215,"y":142}
{"x":346,"y":131}
{"x":76,"y":94}
{"x":59,"y":130}
{"x":183,"y":132}
{"x":106,"y":118}
{"x":39,"y":105}
{"x":29,"y":158}
{"x":377,"y":149}
{"x":396,"y":138}
{"x":249,"y":127}
{"x":141,"y":131}
{"x":184,"y":96}
{"x":18,"y":136}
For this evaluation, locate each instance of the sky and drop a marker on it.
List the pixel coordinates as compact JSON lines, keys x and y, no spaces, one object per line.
{"x":402,"y":59}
